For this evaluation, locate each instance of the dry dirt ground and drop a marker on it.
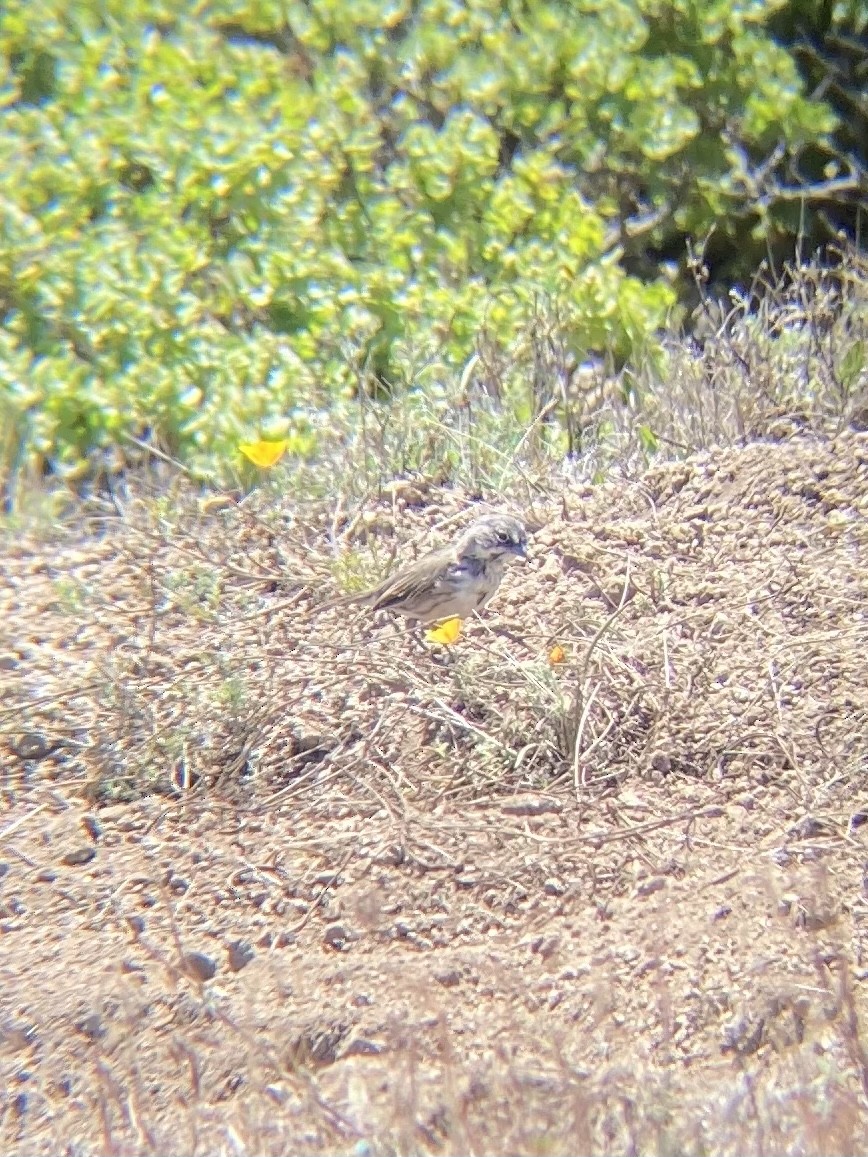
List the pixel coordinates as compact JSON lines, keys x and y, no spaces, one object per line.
{"x":274,"y":880}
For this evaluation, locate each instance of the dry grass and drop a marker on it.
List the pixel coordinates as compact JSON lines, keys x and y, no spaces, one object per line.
{"x":489,"y":905}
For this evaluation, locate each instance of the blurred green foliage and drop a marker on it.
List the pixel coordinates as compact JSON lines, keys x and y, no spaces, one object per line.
{"x":220,"y":219}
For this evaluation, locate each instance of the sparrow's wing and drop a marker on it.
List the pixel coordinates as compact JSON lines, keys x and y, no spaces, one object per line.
{"x":429,"y":576}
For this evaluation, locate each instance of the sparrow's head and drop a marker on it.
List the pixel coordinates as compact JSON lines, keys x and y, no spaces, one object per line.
{"x":495,"y":537}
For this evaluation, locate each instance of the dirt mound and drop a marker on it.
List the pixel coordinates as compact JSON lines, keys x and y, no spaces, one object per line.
{"x":280,"y":876}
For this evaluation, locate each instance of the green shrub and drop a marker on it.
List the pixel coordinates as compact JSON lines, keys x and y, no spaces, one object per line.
{"x":219,"y":220}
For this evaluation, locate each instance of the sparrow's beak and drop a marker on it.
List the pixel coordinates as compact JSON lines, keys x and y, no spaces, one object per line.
{"x":519,"y":549}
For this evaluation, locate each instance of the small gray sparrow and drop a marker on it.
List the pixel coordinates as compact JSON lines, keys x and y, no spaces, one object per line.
{"x":451,"y":582}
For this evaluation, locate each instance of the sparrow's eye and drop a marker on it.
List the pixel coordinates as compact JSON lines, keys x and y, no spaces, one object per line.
{"x":504,"y":536}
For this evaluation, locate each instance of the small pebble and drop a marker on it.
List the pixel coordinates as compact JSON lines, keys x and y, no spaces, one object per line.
{"x":198,"y":966}
{"x":240,"y":953}
{"x":78,"y":856}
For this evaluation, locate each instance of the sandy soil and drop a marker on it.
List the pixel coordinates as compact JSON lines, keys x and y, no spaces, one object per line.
{"x":274,"y":879}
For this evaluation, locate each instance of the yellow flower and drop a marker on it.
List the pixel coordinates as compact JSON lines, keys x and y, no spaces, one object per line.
{"x":262,"y":453}
{"x":557,"y":655}
{"x":445,"y":633}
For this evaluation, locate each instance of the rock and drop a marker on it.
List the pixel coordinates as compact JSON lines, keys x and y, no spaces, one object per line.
{"x":240,"y":953}
{"x":661,"y":762}
{"x":33,"y":745}
{"x":92,"y":826}
{"x":448,"y":977}
{"x":336,"y":936}
{"x":307,"y":749}
{"x":649,"y":887}
{"x":467,"y":881}
{"x":361,"y":1047}
{"x":743,"y":1036}
{"x":78,"y":856}
{"x":409,"y":492}
{"x":92,"y":1027}
{"x":319,"y":1045}
{"x":198,"y":966}
{"x":545,"y":946}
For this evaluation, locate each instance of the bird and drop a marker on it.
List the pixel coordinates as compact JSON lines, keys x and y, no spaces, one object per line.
{"x":452,"y":582}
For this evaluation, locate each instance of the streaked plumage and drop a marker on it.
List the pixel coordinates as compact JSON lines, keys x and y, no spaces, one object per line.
{"x":451,"y":582}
